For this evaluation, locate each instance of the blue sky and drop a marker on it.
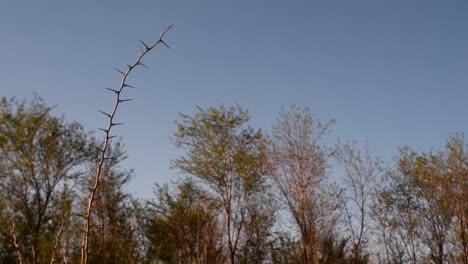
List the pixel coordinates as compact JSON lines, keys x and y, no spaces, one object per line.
{"x":392,"y":73}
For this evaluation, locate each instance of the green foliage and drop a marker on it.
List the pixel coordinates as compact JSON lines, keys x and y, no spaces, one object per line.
{"x":181,"y":225}
{"x":226,"y":155}
{"x":333,"y":251}
{"x":39,"y":154}
{"x":260,"y":220}
{"x":285,"y":249}
{"x":220,"y":149}
{"x":421,"y":205}
{"x":44,"y":162}
{"x":226,"y":211}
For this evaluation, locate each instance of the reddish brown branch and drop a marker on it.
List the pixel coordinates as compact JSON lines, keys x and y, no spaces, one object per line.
{"x":15,"y":244}
{"x":57,"y":238}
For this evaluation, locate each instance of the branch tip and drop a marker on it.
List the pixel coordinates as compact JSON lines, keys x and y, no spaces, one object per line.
{"x":165,"y":31}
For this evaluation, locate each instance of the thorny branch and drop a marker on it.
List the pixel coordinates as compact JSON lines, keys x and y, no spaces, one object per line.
{"x":97,"y":178}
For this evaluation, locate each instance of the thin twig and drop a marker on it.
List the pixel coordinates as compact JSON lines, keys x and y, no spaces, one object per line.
{"x":15,"y":244}
{"x":97,"y":177}
{"x":57,"y":237}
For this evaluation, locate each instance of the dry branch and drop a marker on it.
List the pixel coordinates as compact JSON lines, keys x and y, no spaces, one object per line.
{"x":57,"y":237}
{"x":16,"y":245}
{"x":103,"y":150}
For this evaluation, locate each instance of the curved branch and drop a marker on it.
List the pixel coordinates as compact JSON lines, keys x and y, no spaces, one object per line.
{"x":103,"y":150}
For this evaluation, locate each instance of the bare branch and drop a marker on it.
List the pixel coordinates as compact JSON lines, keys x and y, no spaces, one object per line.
{"x":97,"y":177}
{"x":57,"y":237}
{"x":15,"y":244}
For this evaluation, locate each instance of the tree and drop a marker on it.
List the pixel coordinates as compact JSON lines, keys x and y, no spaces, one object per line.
{"x":396,"y":229}
{"x":285,"y":249}
{"x":181,"y":226}
{"x":40,"y":156}
{"x":457,"y":165}
{"x":297,"y":165}
{"x":419,"y":205}
{"x":396,"y":212}
{"x":360,"y":175}
{"x":260,"y":219}
{"x":226,"y":156}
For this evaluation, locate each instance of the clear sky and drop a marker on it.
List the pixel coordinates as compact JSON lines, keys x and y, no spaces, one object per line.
{"x":393,"y":72}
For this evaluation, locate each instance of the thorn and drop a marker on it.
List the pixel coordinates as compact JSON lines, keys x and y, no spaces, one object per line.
{"x":141,"y":63}
{"x":162,"y":41}
{"x":113,"y":90}
{"x":104,"y":113}
{"x":100,"y":149}
{"x":129,"y":86}
{"x":117,"y":124}
{"x":79,"y":215}
{"x":144,"y":44}
{"x":126,"y":100}
{"x":129,"y":66}
{"x":111,"y":137}
{"x":105,"y":130}
{"x":121,"y":72}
